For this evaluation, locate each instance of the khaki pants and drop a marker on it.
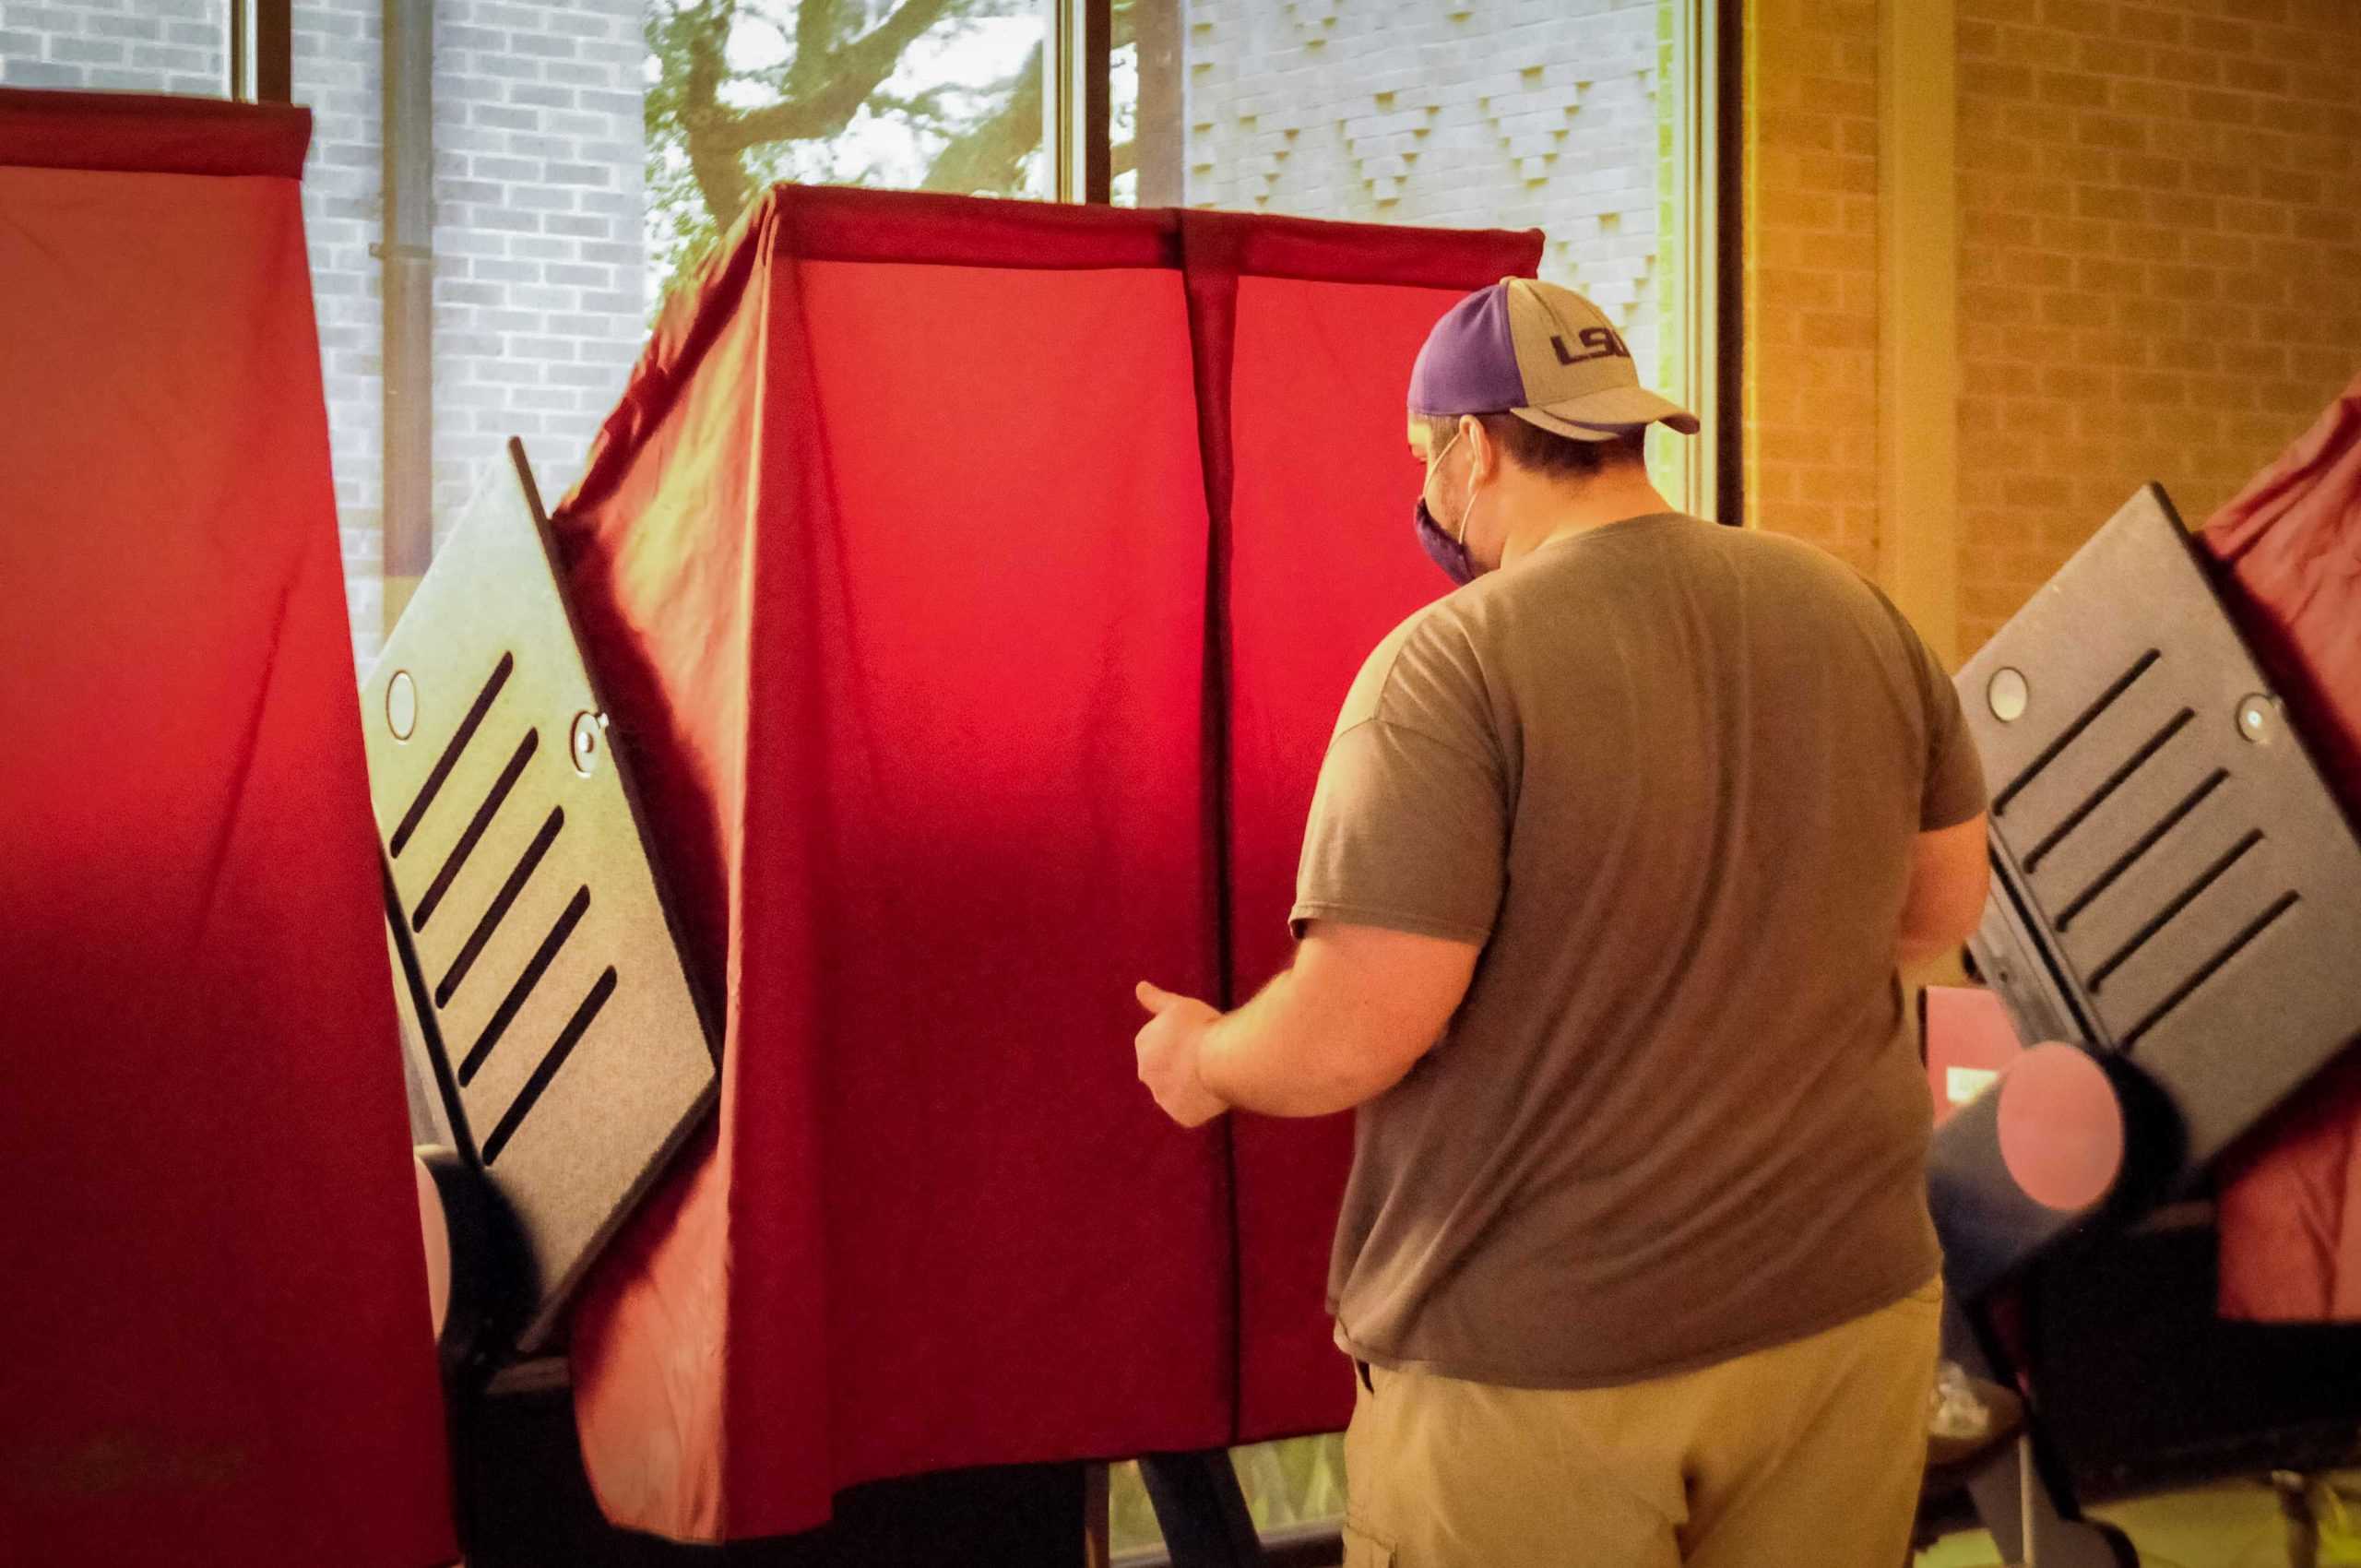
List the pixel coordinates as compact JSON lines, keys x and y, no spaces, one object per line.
{"x":1805,"y":1455}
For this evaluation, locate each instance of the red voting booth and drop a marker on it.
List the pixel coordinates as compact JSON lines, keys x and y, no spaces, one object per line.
{"x":212,"y":1294}
{"x":976,"y":583}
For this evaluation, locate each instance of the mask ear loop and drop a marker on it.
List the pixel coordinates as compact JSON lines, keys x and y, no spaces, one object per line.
{"x":1437,"y":462}
{"x":1469,"y":510}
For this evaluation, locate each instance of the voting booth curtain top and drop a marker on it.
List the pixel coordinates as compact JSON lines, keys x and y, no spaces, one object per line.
{"x":976,"y":584}
{"x":215,"y":1344}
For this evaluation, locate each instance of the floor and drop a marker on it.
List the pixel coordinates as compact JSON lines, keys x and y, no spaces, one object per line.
{"x":2232,"y":1524}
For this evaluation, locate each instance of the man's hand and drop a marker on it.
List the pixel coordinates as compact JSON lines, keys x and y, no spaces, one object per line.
{"x":1169,"y":1047}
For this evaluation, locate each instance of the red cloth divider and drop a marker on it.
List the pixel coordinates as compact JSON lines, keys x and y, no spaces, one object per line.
{"x":917,"y":556}
{"x":1324,"y":565}
{"x":143,"y":134}
{"x":215,"y":1344}
{"x":2288,"y":548}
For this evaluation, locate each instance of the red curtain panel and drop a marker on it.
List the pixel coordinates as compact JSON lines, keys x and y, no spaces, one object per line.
{"x":2289,"y":550}
{"x":919,"y":555}
{"x":1322,"y":565}
{"x":215,"y":1322}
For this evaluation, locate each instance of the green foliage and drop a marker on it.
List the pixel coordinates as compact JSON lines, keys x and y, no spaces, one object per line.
{"x":742,"y":94}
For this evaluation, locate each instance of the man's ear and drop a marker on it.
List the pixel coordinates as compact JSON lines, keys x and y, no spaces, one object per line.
{"x":1483,"y":456}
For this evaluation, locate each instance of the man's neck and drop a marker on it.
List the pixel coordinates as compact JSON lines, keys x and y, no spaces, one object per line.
{"x":1560,"y":512}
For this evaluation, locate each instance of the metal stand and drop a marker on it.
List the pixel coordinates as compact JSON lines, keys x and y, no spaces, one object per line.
{"x":2031,"y":1524}
{"x":1202,"y":1510}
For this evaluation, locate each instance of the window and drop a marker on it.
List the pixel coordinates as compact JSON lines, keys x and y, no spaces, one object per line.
{"x":1593,"y":126}
{"x":509,"y":241}
{"x":572,"y":162}
{"x":577,"y":160}
{"x":918,"y":95}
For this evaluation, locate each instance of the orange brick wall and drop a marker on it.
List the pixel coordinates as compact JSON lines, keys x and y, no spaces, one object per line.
{"x":2160,"y":272}
{"x":1811,"y":297}
{"x":2159,"y":267}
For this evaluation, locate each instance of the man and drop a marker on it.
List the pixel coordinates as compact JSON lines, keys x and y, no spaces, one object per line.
{"x":1615,"y":854}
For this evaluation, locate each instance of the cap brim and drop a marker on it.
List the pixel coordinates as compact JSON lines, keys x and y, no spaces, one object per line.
{"x":1603,"y":416}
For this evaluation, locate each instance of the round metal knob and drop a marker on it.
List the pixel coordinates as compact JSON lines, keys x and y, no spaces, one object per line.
{"x":401,"y":705}
{"x":587,"y":741}
{"x":2008,"y":694}
{"x":2255,"y":717}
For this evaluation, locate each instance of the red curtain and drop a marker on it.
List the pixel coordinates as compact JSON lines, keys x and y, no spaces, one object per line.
{"x":1324,"y":565}
{"x":981,"y":579}
{"x":214,"y":1336}
{"x":2289,"y":546}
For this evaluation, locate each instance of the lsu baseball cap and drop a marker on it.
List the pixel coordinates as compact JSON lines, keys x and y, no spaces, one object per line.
{"x":1544,"y":353}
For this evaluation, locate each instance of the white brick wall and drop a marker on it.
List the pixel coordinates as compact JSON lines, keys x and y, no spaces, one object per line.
{"x":539,"y":273}
{"x":538,"y":278}
{"x":1507,"y":114}
{"x":138,"y":45}
{"x":338,"y":50}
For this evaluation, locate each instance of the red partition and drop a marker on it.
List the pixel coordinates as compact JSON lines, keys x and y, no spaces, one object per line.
{"x":2289,"y":549}
{"x":897,"y":563}
{"x":1324,"y":564}
{"x":215,"y":1322}
{"x":918,"y":555}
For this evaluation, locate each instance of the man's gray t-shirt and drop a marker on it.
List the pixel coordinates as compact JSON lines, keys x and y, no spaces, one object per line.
{"x":1669,"y":774}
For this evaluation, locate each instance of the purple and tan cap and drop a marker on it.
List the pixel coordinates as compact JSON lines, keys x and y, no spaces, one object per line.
{"x":1543,"y":353}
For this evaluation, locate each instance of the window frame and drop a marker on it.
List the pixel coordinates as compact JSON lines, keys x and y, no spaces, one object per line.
{"x":262,"y":51}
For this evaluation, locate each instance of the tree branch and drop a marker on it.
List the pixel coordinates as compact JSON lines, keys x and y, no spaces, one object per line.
{"x":720,"y":174}
{"x":829,"y":81}
{"x":815,"y":39}
{"x":853,"y":73}
{"x":991,"y":157}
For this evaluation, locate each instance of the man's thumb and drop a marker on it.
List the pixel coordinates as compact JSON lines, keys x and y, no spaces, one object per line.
{"x":1155,"y":998}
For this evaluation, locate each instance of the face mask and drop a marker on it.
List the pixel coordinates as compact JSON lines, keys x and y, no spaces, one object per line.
{"x":1449,"y":554}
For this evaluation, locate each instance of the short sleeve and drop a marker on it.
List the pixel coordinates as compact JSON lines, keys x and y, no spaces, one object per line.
{"x":1954,"y":790}
{"x":1407,"y":833}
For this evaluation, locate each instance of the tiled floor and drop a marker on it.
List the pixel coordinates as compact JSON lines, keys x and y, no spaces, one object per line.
{"x":2233,"y":1524}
